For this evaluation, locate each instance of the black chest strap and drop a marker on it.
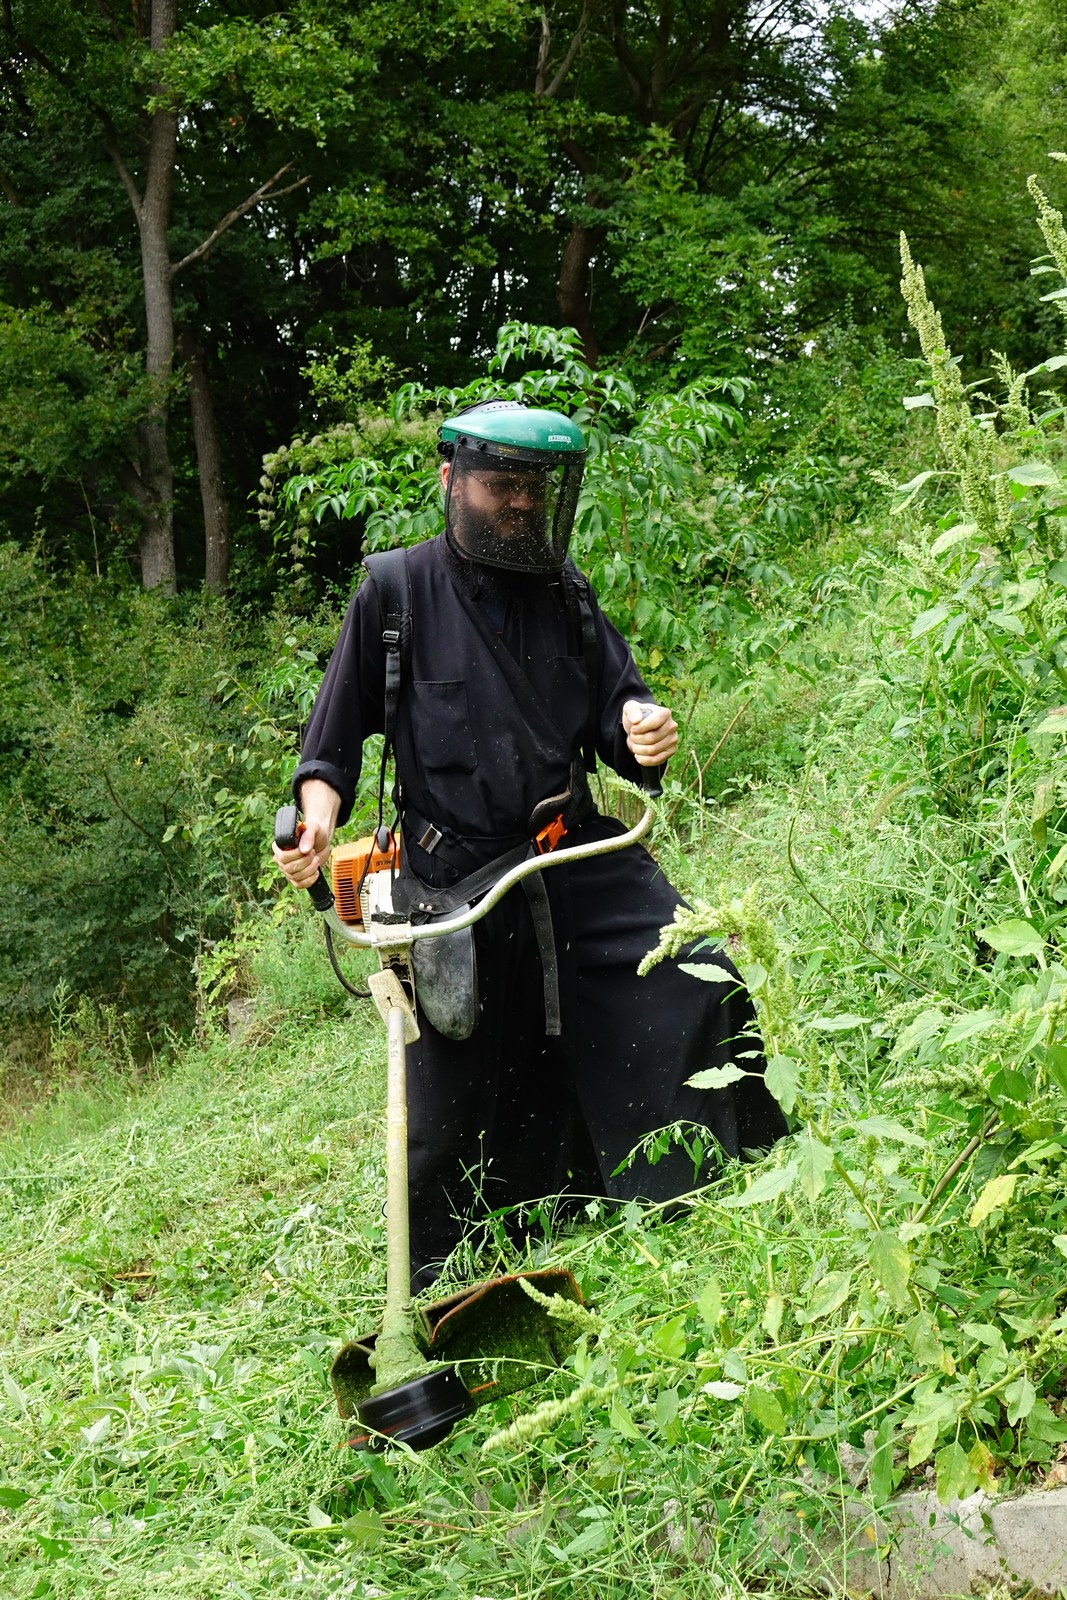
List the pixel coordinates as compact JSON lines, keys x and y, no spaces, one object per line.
{"x":579,"y":606}
{"x":392,"y":583}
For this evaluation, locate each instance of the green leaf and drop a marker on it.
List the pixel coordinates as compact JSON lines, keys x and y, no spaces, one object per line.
{"x":1009,"y":1084}
{"x":968,"y":1025}
{"x":12,"y":1499}
{"x":710,"y":1303}
{"x":16,"y":1395}
{"x":1056,"y":1064}
{"x":722,"y":1390}
{"x":913,"y":402}
{"x":708,"y":972}
{"x":891,"y":1264}
{"x":670,"y":1339}
{"x":829,"y":1296}
{"x":886,"y":1128}
{"x":880,"y":1469}
{"x":365,"y":1527}
{"x":1019,"y":1399}
{"x":1034,"y":474}
{"x":1053,"y":723}
{"x":928,"y":620}
{"x":783,"y":1079}
{"x":924,"y":1337}
{"x":97,"y":1431}
{"x":814,"y":1161}
{"x":318,"y":1518}
{"x":52,"y":1549}
{"x":994,"y":1197}
{"x":922,"y":1441}
{"x":666,"y":1407}
{"x":589,"y":1541}
{"x":952,"y":536}
{"x":845,"y":1023}
{"x":956,"y":1477}
{"x":768,"y":1186}
{"x":1013,"y":938}
{"x":622,"y":1422}
{"x":919,"y":1030}
{"x":716,"y":1077}
{"x":918,"y":481}
{"x":766,"y":1408}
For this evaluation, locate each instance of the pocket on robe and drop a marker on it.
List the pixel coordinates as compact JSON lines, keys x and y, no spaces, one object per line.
{"x":444,"y":738}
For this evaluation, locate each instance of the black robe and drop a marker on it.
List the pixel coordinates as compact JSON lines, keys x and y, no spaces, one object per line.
{"x":493,"y":708}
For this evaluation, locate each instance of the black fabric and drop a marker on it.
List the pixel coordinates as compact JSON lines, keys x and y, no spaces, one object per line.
{"x":490,"y":719}
{"x":556,"y":1114}
{"x":490,"y":716}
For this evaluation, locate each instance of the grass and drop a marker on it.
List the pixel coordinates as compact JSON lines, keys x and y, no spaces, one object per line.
{"x":180,"y":1259}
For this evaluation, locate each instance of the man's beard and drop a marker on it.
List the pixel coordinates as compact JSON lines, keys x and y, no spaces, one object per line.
{"x":492,"y":539}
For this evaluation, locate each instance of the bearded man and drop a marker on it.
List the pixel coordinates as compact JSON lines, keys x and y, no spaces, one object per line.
{"x":513,"y":685}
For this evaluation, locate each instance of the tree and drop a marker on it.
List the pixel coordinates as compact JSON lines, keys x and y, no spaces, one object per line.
{"x":104,"y":82}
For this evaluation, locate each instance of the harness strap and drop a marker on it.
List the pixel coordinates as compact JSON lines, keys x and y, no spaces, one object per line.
{"x":577,"y":593}
{"x":389,"y":570}
{"x":536,"y":893}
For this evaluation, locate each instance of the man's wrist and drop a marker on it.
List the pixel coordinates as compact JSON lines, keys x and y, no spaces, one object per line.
{"x":319,"y":802}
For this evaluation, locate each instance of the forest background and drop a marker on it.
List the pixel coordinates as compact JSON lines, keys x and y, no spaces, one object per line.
{"x":248,"y":257}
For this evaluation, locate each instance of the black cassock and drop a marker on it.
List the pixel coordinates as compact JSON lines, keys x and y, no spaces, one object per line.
{"x":493,"y":708}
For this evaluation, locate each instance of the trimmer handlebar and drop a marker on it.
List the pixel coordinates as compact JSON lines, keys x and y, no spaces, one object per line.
{"x":288,"y":828}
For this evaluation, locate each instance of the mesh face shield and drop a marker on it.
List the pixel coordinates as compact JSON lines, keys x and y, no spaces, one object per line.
{"x":512,"y":509}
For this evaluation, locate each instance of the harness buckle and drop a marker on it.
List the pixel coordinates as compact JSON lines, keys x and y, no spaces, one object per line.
{"x":550,"y":835}
{"x":391,"y":638}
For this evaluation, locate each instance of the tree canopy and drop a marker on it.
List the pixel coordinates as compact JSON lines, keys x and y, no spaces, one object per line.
{"x":224,"y":224}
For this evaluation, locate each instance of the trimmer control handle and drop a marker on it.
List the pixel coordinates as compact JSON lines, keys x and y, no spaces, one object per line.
{"x":287,"y":830}
{"x":650,"y":781}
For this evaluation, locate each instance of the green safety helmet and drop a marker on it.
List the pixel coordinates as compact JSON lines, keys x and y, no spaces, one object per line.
{"x":513,"y":481}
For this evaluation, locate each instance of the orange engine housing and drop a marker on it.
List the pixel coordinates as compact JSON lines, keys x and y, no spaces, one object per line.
{"x":351,"y":864}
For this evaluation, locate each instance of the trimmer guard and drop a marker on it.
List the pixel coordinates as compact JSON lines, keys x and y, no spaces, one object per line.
{"x":499,"y":1339}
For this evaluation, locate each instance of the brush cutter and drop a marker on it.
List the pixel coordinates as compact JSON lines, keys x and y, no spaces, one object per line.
{"x":402,"y":1382}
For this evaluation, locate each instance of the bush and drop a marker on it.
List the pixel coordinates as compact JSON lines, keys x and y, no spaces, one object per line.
{"x":144,"y":745}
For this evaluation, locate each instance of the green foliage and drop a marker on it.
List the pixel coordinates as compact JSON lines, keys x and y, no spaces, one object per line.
{"x":637,"y":532}
{"x":140,"y":767}
{"x":62,"y":400}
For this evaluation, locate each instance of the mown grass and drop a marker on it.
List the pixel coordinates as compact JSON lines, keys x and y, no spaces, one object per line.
{"x":179,"y":1261}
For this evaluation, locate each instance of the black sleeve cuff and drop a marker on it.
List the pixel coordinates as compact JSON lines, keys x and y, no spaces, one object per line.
{"x":336,"y":777}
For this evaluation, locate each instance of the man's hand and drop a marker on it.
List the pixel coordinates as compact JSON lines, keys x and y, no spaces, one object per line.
{"x":651,"y":733}
{"x":320,"y":805}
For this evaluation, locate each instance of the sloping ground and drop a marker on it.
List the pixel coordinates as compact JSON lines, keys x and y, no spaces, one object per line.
{"x":175,"y":1277}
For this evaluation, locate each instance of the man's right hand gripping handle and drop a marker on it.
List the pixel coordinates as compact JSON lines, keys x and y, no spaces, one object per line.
{"x":294,"y":862}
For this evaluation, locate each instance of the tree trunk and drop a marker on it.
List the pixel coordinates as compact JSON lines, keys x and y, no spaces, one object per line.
{"x":574,"y":291}
{"x":209,"y":467}
{"x":153,"y":220}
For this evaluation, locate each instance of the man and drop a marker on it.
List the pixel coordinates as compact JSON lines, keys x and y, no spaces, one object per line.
{"x":515,"y":683}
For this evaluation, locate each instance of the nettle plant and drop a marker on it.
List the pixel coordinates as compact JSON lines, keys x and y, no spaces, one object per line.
{"x":648,"y":550}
